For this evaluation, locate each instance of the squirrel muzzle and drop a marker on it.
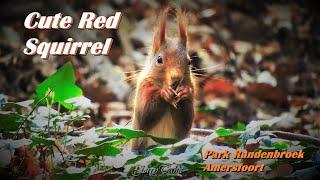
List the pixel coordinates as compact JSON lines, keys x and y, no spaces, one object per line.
{"x":175,"y":77}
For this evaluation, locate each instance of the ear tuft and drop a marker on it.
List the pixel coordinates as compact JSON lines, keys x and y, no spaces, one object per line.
{"x":160,"y":35}
{"x":182,"y":24}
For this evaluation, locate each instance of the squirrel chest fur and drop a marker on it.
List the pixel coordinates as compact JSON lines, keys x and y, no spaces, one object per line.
{"x":163,"y":104}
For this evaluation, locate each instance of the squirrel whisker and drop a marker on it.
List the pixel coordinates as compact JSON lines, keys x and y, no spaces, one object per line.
{"x":133,"y":75}
{"x":136,"y":71}
{"x":210,"y":67}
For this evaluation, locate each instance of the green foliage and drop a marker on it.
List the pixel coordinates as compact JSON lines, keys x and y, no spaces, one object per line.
{"x":62,"y":85}
{"x":130,"y":134}
{"x":45,"y":141}
{"x":158,"y":151}
{"x":221,"y":132}
{"x":76,"y":155}
{"x":104,"y":149}
{"x":135,"y":160}
{"x":72,"y":175}
{"x":281,"y":145}
{"x":240,"y":127}
{"x":10,"y":121}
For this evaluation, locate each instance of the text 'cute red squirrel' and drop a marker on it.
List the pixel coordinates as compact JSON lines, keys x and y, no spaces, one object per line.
{"x":164,"y":98}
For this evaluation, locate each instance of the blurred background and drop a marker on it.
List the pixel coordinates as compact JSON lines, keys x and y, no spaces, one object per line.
{"x":253,"y":59}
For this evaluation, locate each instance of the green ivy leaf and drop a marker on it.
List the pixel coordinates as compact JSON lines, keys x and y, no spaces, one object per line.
{"x":67,"y":176}
{"x":45,"y":141}
{"x":130,"y":134}
{"x":224,"y":132}
{"x":158,"y":151}
{"x":10,"y":121}
{"x":62,"y":85}
{"x":164,"y":141}
{"x":281,"y":145}
{"x":134,"y":160}
{"x":104,"y":149}
{"x":240,"y":127}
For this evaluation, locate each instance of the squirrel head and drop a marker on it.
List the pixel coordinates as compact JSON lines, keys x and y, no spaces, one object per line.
{"x":169,"y":59}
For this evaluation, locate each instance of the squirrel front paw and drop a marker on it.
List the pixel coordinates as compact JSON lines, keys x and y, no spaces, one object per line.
{"x":169,"y":95}
{"x":183,"y":93}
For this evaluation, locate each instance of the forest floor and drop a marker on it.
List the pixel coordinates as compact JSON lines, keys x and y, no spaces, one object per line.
{"x":254,"y":60}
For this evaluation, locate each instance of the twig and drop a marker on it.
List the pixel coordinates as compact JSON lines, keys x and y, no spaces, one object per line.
{"x":294,"y":136}
{"x":279,"y":134}
{"x":203,"y":132}
{"x":61,"y":153}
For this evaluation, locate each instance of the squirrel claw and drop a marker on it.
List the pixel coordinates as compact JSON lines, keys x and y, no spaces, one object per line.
{"x":174,"y":97}
{"x":168,"y":94}
{"x":183,"y":93}
{"x":174,"y":104}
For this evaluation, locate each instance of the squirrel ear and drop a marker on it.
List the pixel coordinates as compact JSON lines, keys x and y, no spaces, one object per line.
{"x":182,"y":23}
{"x":160,"y":35}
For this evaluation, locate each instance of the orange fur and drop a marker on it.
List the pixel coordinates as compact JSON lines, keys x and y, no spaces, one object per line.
{"x":164,"y":98}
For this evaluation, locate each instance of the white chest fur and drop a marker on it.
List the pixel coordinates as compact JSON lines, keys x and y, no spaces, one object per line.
{"x":164,"y":128}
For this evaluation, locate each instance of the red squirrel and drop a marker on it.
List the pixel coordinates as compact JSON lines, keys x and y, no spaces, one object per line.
{"x":164,"y":99}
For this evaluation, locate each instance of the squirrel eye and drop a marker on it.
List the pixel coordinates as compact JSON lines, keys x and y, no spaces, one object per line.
{"x":159,"y":60}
